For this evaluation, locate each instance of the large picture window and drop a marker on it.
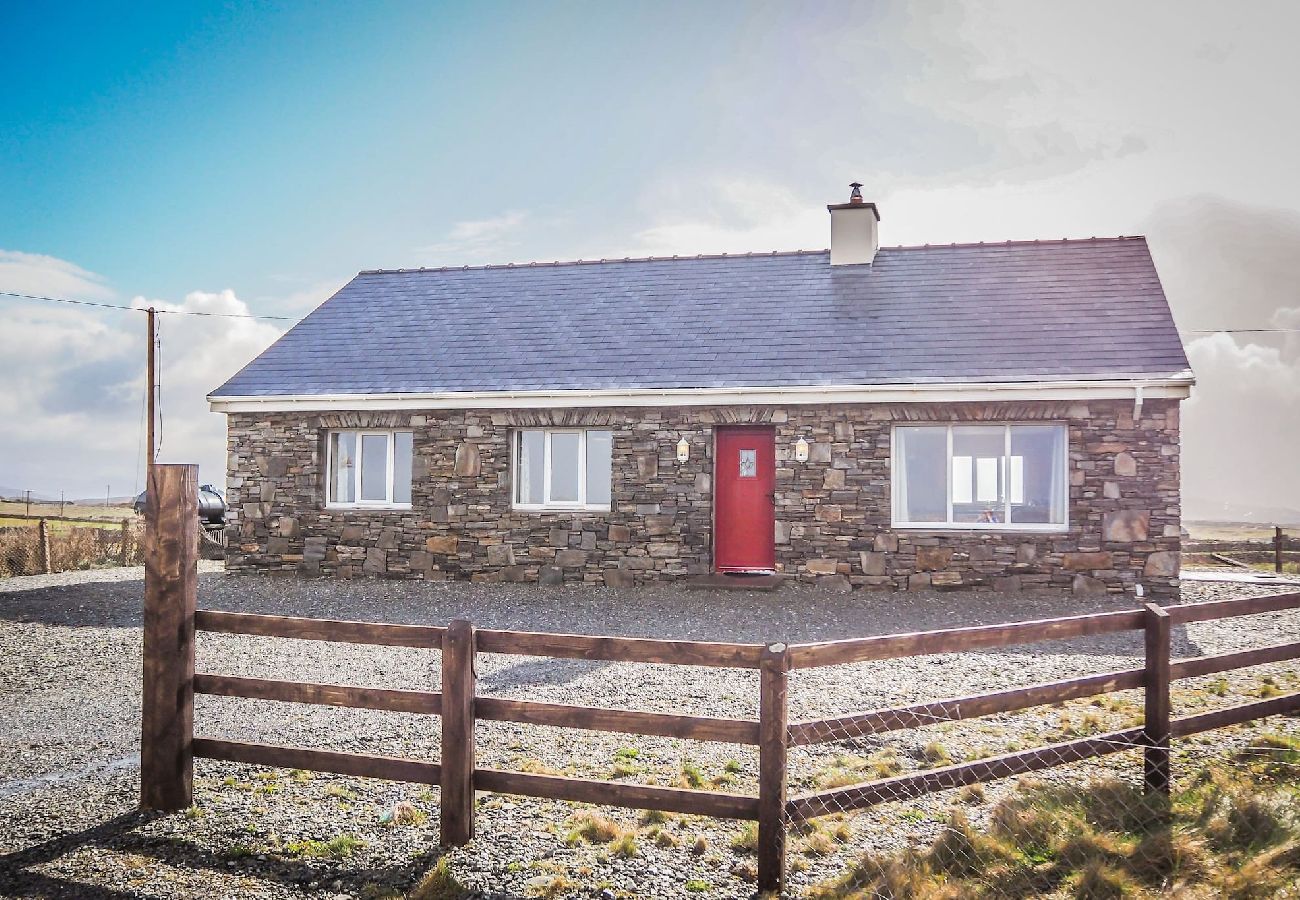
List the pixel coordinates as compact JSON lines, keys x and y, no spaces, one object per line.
{"x":562,"y":468}
{"x":369,"y":469}
{"x":1002,"y":477}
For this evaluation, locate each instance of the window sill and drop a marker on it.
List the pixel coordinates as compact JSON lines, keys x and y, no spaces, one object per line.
{"x":971,"y":527}
{"x":560,"y":509}
{"x":367,"y":507}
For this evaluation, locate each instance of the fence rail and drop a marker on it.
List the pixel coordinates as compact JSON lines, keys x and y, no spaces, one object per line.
{"x":961,"y":640}
{"x":169,"y":744}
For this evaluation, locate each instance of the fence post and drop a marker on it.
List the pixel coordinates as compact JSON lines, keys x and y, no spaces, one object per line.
{"x":458,"y":687}
{"x":1277,"y":548}
{"x":773,"y":734}
{"x":43,"y":546}
{"x":170,"y":590}
{"x":126,"y":543}
{"x":1156,"y":774}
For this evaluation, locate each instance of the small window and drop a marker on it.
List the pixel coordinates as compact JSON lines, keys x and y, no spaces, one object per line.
{"x":369,"y":469}
{"x":748,"y":464}
{"x":1003,"y":477}
{"x":562,"y":469}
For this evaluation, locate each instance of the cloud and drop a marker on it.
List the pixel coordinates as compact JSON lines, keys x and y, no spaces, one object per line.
{"x":303,"y":298}
{"x":33,"y":273}
{"x":729,"y":215}
{"x":1229,"y":265}
{"x":72,"y":383}
{"x":478,"y":240}
{"x":1240,"y":429}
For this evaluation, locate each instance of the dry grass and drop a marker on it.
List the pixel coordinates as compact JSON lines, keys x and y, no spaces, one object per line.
{"x":745,"y":840}
{"x":71,"y":547}
{"x":68,"y":510}
{"x":439,"y":884}
{"x":846,"y":769}
{"x":1233,"y":832}
{"x":596,"y":829}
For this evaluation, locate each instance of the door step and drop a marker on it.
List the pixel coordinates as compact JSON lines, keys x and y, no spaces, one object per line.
{"x":719,"y":581}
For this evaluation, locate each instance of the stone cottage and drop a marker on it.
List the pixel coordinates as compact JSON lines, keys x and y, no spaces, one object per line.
{"x":1001,"y":415}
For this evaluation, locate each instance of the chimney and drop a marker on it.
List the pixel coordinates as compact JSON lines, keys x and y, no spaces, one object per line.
{"x":855,"y":230}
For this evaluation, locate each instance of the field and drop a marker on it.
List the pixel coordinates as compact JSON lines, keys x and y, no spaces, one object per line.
{"x":1234,"y":531}
{"x":9,"y":508}
{"x":57,"y":527}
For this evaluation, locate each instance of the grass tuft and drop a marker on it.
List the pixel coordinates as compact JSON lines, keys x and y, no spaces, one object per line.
{"x":936,"y":754}
{"x":745,"y":840}
{"x":439,"y":884}
{"x":595,"y":829}
{"x":625,"y":845}
{"x":1099,"y":881}
{"x":691,"y":776}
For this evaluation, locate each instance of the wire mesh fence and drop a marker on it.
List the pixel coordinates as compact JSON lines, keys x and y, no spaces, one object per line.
{"x":987,"y":795}
{"x":42,"y":545}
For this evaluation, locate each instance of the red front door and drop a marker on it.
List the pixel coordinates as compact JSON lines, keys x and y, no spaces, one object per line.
{"x":744,"y":505}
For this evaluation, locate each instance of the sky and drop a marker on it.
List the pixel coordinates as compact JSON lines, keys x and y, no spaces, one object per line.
{"x":250,"y":158}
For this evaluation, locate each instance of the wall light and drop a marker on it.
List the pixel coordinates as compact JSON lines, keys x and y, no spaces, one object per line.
{"x":801,"y":450}
{"x":683,"y":451}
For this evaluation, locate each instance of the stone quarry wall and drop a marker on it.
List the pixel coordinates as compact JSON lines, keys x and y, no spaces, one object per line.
{"x":832,"y":512}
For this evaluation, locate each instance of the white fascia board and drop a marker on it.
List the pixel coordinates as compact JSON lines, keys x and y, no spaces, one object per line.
{"x":1115,"y":389}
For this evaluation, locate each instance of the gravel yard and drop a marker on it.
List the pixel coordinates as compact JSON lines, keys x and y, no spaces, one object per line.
{"x":69,"y":719}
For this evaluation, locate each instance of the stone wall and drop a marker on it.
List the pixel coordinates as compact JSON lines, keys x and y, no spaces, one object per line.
{"x":832,"y":512}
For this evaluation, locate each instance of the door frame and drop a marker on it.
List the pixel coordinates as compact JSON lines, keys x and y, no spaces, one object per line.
{"x":713,"y":537}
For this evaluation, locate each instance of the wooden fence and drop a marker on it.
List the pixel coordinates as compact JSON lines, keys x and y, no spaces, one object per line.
{"x":1282,"y":548}
{"x":169,"y":746}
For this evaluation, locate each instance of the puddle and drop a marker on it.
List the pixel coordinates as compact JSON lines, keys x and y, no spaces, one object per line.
{"x":10,"y":789}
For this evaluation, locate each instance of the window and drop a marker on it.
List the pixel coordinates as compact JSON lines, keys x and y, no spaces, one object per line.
{"x":1004,"y":477}
{"x":562,"y":469}
{"x":369,"y":469}
{"x":748,"y":463}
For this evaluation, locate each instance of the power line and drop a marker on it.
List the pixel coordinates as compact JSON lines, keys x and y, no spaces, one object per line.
{"x":169,"y":312}
{"x":191,"y":312}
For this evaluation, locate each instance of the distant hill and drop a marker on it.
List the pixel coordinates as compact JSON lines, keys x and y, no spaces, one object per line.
{"x":13,"y":493}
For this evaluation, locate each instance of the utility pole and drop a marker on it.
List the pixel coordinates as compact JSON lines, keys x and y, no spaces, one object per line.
{"x":29,"y":503}
{"x":60,"y":504}
{"x":152,"y":382}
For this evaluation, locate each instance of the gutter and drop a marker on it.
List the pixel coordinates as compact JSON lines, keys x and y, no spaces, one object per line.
{"x":1172,"y":387}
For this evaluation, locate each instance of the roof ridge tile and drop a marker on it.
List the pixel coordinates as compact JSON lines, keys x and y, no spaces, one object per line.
{"x":751,"y":254}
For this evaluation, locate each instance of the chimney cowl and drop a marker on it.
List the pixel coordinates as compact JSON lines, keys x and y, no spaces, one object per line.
{"x":855,"y":237}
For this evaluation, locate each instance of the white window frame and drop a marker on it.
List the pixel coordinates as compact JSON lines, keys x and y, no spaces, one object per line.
{"x":547,"y":504}
{"x":895,"y":506}
{"x":361,"y":434}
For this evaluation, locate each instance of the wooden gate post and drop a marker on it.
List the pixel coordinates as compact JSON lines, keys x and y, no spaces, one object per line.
{"x":458,"y":687}
{"x":43,"y":546}
{"x":773,"y":730}
{"x":1156,"y":771}
{"x":1277,"y":548}
{"x":170,"y":590}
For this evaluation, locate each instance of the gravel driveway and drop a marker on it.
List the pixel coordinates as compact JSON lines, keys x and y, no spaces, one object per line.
{"x":69,"y":719}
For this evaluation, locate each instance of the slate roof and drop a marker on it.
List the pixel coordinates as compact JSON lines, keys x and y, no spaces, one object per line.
{"x":1019,"y":311}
